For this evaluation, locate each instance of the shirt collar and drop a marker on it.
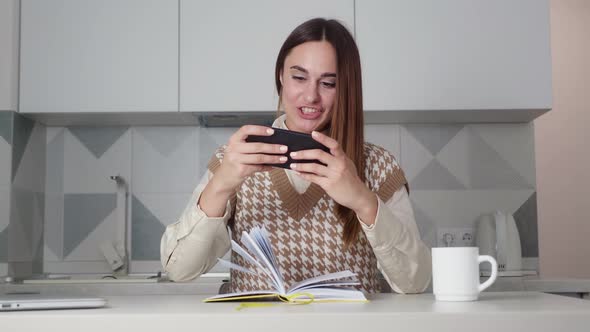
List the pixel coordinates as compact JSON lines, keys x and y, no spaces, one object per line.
{"x":280,"y":122}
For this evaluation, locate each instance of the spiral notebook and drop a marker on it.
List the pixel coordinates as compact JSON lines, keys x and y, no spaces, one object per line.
{"x":333,"y":287}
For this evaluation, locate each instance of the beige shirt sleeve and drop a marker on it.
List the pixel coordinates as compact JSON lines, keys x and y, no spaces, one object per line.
{"x":403,"y":258}
{"x":191,"y":246}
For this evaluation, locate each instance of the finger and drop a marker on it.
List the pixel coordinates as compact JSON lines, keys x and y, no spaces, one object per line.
{"x":328,"y":141}
{"x":259,"y":148}
{"x":318,"y":154}
{"x":320,"y":181}
{"x":257,"y":159}
{"x":245,"y":131}
{"x":313,"y":168}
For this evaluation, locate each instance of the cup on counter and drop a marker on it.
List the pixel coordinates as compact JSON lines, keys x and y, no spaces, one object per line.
{"x":455,"y":273}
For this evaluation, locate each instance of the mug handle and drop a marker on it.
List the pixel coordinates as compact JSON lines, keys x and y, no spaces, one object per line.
{"x":493,"y":276}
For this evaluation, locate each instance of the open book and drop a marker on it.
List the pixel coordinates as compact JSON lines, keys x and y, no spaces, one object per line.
{"x":331,"y":287}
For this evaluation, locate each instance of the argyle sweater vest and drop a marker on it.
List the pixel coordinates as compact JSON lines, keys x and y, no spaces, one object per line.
{"x":304,"y":229}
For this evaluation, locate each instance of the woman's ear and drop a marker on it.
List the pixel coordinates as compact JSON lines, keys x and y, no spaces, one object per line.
{"x":281,"y":77}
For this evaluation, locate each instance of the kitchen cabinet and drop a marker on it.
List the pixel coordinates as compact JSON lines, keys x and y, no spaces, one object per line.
{"x":99,"y":56}
{"x":142,"y":61}
{"x":228,"y":49}
{"x":455,"y":56}
{"x":8,"y":54}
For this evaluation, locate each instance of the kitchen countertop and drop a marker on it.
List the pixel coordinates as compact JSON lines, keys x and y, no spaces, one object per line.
{"x":557,"y":285}
{"x":495,"y":311}
{"x":211,"y":284}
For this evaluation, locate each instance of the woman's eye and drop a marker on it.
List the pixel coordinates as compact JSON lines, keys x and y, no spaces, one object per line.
{"x":298,"y":78}
{"x":329,"y":84}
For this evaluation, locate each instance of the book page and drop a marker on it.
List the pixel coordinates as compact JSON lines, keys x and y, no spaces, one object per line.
{"x":244,"y":254}
{"x":333,"y":294}
{"x":335,"y":285}
{"x":233,"y":266}
{"x":255,"y":249}
{"x":323,"y":278}
{"x":243,"y":296}
{"x":265,"y":237}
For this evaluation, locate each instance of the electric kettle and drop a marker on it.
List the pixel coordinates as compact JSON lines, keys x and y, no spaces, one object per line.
{"x":497,"y":235}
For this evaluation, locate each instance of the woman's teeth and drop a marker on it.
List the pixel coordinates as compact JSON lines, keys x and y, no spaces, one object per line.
{"x":308,"y":110}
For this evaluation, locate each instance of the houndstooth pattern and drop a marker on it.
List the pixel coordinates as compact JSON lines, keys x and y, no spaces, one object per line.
{"x":312,"y":245}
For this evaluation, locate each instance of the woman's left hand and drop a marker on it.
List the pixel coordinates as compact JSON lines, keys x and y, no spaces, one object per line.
{"x":338,"y":178}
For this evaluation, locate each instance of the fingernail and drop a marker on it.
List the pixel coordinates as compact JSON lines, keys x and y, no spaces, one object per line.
{"x":314,"y":133}
{"x":283,"y":159}
{"x":269,"y":131}
{"x":283,"y":148}
{"x":293,"y":154}
{"x":293,"y":165}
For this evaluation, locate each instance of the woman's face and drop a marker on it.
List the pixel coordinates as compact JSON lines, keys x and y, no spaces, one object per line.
{"x":309,"y":85}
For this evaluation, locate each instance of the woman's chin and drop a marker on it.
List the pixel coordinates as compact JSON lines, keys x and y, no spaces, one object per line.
{"x":306,"y":125}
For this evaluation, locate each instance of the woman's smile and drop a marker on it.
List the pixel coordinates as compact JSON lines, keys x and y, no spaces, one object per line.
{"x":309,"y":113}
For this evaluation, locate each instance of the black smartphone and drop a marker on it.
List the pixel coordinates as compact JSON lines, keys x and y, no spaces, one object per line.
{"x":294,"y":140}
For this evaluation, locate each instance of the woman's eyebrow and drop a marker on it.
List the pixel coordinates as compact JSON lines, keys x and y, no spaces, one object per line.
{"x":305,"y":71}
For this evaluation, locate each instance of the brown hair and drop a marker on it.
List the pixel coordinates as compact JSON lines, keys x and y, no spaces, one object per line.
{"x":346,"y":124}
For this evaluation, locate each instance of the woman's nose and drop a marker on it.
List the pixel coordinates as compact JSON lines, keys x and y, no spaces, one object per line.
{"x":311,"y":94}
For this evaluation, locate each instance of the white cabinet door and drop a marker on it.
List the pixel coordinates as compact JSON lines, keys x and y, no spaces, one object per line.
{"x":454,"y":54}
{"x":99,"y":56}
{"x":229,"y":48}
{"x":8,"y":55}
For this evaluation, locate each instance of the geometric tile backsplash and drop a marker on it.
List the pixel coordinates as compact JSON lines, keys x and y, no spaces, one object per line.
{"x":5,"y":184}
{"x":456,"y":173}
{"x":81,"y":209}
{"x":22,"y":195}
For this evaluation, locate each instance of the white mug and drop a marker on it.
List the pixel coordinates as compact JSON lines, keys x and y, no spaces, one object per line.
{"x":455,"y":273}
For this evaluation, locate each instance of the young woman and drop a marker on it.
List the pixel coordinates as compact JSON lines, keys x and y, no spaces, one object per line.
{"x":351,"y":214}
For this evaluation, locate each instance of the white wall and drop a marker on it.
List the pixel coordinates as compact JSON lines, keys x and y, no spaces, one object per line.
{"x":8,"y":54}
{"x":561,"y":138}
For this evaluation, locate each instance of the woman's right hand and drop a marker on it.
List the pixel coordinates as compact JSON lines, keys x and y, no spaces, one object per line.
{"x":242,"y":159}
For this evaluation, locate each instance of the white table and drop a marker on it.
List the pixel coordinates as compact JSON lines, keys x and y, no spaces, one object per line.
{"x":503,"y":311}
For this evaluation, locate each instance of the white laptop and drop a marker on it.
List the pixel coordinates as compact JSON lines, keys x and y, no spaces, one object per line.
{"x":15,"y":302}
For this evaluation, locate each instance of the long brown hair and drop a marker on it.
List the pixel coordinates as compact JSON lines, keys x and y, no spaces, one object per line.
{"x":347,"y":123}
